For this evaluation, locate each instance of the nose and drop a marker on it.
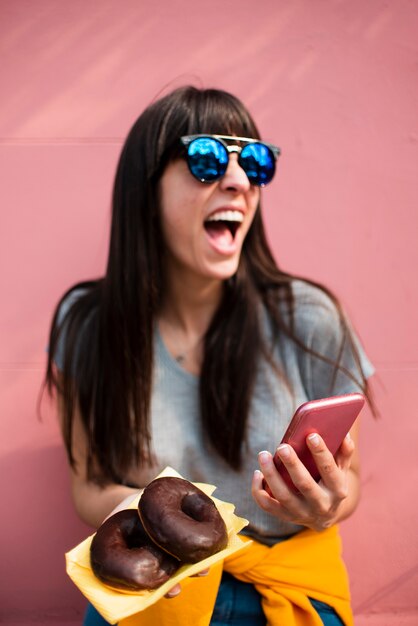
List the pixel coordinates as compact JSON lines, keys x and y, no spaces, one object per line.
{"x":234,"y":179}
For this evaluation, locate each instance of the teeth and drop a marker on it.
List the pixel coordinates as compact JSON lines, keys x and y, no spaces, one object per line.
{"x":226,"y":216}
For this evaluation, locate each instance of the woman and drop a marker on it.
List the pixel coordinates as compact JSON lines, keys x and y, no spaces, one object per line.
{"x":194,"y":350}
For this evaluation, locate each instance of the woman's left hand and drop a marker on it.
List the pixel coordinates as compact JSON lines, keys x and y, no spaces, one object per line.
{"x":317,"y":505}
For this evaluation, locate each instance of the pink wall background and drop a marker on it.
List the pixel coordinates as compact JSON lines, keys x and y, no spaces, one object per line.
{"x":334,"y":83}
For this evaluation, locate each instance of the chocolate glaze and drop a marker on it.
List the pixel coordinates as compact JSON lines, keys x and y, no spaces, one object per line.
{"x":123,"y":556}
{"x":182,"y":520}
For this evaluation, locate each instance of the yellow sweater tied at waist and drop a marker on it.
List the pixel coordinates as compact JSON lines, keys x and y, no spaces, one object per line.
{"x":309,"y":565}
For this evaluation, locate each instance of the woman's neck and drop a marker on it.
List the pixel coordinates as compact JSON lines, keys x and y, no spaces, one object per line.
{"x":185,"y":316}
{"x":189,"y":305}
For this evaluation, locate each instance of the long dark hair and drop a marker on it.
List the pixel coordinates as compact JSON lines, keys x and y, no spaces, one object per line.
{"x":107,"y":370}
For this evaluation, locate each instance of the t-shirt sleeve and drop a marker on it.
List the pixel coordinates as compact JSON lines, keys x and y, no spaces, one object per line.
{"x":61,"y":324}
{"x":324,"y":334}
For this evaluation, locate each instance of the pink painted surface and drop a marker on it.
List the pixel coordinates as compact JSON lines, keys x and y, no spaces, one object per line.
{"x":335,"y":84}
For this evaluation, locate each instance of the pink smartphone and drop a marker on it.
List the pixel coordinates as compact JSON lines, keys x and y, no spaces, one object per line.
{"x":331,"y":418}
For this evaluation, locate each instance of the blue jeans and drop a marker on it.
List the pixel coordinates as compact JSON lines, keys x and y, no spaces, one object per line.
{"x":237,"y":604}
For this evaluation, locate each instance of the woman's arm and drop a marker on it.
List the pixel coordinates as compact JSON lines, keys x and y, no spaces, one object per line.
{"x":318,"y":505}
{"x":92,"y":502}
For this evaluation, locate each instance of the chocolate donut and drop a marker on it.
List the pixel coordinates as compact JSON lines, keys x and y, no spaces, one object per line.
{"x":182,"y":520}
{"x":123,"y":556}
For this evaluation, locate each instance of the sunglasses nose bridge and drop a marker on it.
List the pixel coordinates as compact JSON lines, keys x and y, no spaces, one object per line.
{"x":241,"y":164}
{"x":235,"y":176}
{"x":232,"y":149}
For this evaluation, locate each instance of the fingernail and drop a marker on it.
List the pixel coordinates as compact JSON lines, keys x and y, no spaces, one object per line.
{"x":314,"y":439}
{"x":257,"y":473}
{"x":284,"y":451}
{"x":264,"y":457}
{"x":173,"y":594}
{"x":348,"y":437}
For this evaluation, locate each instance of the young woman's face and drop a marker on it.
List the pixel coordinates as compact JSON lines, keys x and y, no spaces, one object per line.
{"x":204,"y":225}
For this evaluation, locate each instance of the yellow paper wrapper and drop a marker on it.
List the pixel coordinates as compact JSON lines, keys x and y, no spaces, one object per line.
{"x":116,"y":605}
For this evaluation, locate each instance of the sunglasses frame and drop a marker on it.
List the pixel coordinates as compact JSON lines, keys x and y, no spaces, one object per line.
{"x":186,"y":140}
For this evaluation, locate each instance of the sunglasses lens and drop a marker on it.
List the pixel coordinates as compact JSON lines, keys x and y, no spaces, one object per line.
{"x":207,"y":159}
{"x":258,"y":162}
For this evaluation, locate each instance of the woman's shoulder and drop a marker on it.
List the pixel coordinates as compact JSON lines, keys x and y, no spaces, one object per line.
{"x":305,"y":310}
{"x":311,"y":306}
{"x":310,"y":296}
{"x":73,"y":295}
{"x":67,"y":301}
{"x":72,"y":320}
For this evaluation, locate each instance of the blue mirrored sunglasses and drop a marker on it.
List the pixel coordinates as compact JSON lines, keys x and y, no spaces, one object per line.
{"x":208,"y":157}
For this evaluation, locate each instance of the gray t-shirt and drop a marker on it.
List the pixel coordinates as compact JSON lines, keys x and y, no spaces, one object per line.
{"x":177,"y":435}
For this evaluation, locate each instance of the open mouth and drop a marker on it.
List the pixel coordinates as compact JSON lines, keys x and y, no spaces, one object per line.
{"x":223,"y":225}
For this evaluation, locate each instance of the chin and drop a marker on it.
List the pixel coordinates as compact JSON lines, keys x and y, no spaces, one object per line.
{"x":224,"y":270}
